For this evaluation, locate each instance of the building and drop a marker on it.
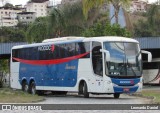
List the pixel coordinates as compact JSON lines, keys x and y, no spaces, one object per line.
{"x":69,"y":1}
{"x":8,"y":16}
{"x":26,"y":17}
{"x":138,"y":6}
{"x":39,"y":7}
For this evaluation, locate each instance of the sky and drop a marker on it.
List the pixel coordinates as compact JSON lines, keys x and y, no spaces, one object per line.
{"x":23,"y":2}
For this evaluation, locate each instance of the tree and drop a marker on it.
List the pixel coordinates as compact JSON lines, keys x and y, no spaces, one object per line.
{"x":8,"y":34}
{"x":38,"y":30}
{"x":153,"y":16}
{"x":142,"y":29}
{"x":57,"y":21}
{"x":90,"y":4}
{"x":101,"y":29}
{"x":70,"y":20}
{"x":150,"y":27}
{"x":8,"y":5}
{"x":3,"y":70}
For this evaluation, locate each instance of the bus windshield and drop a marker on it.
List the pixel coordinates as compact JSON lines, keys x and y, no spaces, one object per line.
{"x":125,"y":59}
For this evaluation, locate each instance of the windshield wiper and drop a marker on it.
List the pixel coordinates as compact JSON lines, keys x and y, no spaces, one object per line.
{"x":130,"y":66}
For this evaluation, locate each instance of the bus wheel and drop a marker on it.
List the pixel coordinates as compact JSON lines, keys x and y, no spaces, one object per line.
{"x":24,"y":86}
{"x":33,"y":88}
{"x":116,"y":95}
{"x":85,"y":91}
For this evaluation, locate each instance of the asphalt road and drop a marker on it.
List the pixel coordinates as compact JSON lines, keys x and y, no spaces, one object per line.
{"x":97,"y":100}
{"x":74,"y":98}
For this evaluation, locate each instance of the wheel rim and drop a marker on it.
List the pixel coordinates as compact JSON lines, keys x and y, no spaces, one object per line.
{"x":33,"y":90}
{"x":26,"y":88}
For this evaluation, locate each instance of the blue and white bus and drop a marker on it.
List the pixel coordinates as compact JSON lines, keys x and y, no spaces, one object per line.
{"x":97,"y":65}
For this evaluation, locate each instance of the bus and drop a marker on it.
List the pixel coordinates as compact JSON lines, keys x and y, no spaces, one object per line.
{"x":96,"y":65}
{"x":151,"y":72}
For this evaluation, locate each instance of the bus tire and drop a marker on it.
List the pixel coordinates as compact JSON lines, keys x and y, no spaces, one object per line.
{"x":85,"y":91}
{"x":24,"y":86}
{"x":32,"y":88}
{"x":116,"y":95}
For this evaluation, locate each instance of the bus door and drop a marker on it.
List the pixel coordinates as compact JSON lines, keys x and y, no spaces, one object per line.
{"x":97,"y":64}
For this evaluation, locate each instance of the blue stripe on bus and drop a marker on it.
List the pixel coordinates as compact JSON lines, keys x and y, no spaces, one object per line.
{"x":62,"y":75}
{"x":125,"y":82}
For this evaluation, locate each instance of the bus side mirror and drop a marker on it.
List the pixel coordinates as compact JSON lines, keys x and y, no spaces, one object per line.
{"x":149,"y":55}
{"x":107,"y":54}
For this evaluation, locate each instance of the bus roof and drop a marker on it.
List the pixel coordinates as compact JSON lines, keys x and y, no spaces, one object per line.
{"x":62,"y":39}
{"x":78,"y":39}
{"x":111,"y":39}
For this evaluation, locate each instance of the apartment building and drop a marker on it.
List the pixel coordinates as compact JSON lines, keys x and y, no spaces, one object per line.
{"x":138,"y":6}
{"x":8,"y":16}
{"x":39,"y":7}
{"x":26,"y":17}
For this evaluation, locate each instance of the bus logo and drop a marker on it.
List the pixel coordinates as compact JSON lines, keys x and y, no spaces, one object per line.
{"x":46,"y":48}
{"x":132,"y":81}
{"x":127,"y":82}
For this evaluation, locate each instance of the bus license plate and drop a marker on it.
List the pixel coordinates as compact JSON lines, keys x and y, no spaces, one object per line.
{"x":126,"y":89}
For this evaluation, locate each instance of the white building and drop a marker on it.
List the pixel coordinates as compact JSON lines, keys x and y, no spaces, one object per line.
{"x":39,"y":7}
{"x":138,"y":6}
{"x":8,"y":16}
{"x":69,"y":1}
{"x":26,"y":17}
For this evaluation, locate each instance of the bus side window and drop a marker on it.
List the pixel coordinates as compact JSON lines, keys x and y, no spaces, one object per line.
{"x":14,"y":54}
{"x":82,"y":48}
{"x":97,"y":58}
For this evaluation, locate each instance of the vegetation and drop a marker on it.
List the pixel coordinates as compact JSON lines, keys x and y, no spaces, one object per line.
{"x":150,"y":27}
{"x":10,"y":96}
{"x":100,"y":29}
{"x":38,"y":30}
{"x":4,"y":69}
{"x":117,"y":4}
{"x":150,"y":94}
{"x":8,"y":34}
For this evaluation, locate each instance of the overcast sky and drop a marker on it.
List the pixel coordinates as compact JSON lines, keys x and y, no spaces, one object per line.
{"x":23,"y":2}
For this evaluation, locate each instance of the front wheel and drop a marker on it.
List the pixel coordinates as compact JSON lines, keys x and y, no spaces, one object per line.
{"x":116,"y":95}
{"x":85,"y":91}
